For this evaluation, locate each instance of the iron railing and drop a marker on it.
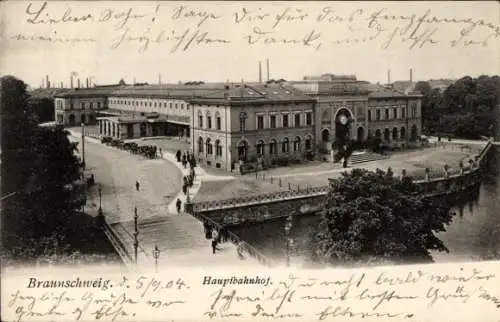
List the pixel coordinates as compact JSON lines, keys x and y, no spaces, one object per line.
{"x":434,"y":177}
{"x":252,"y":251}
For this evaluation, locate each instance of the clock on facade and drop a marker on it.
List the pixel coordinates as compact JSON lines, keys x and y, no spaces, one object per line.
{"x":343,"y":120}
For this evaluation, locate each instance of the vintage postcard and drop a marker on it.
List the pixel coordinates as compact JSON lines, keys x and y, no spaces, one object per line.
{"x":250,"y":161}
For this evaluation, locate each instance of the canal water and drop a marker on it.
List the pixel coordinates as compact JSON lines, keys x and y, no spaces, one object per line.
{"x":473,"y":234}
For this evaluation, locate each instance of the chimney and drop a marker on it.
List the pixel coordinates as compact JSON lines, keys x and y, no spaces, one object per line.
{"x":242,"y":88}
{"x":78,"y":83}
{"x":87,"y":82}
{"x":159,"y":79}
{"x":411,"y":76}
{"x":388,"y":77}
{"x":62,"y":86}
{"x":260,"y":72}
{"x":71,"y":82}
{"x":267,"y":63}
{"x":47,"y":81}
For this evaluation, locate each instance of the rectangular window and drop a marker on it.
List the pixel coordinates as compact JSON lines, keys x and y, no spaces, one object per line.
{"x":219,"y":124}
{"x":98,"y":105}
{"x":285,"y":120}
{"x":82,"y":105}
{"x":378,"y":115}
{"x":260,"y":122}
{"x":209,"y":122}
{"x":369,"y":115}
{"x":273,"y":121}
{"x":395,"y":113}
{"x":309,"y":119}
{"x":403,"y":112}
{"x":297,"y":120}
{"x":200,"y":121}
{"x":242,"y":124}
{"x":387,"y":114}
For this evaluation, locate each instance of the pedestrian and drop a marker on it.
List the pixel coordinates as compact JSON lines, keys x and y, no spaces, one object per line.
{"x":184,"y":189}
{"x":178,"y":155}
{"x":214,"y":245}
{"x":239,"y":250}
{"x":137,"y":185}
{"x":161,"y":153}
{"x":178,"y":205}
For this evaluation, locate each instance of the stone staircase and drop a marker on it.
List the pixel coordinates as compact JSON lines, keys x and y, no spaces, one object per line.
{"x":366,"y":157}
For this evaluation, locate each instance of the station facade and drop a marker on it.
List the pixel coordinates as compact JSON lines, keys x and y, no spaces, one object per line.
{"x":372,"y":111}
{"x":253,"y":123}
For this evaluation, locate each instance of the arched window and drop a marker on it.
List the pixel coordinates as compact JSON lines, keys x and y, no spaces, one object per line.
{"x":387,"y":134}
{"x":285,"y":145}
{"x":260,"y":148}
{"x":308,"y":143}
{"x":200,"y":144}
{"x":325,"y":135}
{"x":273,"y":147}
{"x":361,"y":134}
{"x":84,"y":120}
{"x":200,"y":120}
{"x":403,"y":133}
{"x":218,"y":122}
{"x":414,"y":133}
{"x":243,"y":150}
{"x":143,"y":129}
{"x":296,"y":144}
{"x":209,"y":147}
{"x":218,"y":148}
{"x":395,"y":133}
{"x":209,"y":120}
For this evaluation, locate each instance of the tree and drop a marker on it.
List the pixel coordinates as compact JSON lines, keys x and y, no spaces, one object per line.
{"x":43,"y":108}
{"x":373,"y":215}
{"x":40,"y":166}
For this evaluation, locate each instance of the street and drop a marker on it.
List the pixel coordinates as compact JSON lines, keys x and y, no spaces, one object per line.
{"x":180,"y":237}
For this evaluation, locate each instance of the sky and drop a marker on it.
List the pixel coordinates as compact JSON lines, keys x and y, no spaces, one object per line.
{"x":215,"y":41}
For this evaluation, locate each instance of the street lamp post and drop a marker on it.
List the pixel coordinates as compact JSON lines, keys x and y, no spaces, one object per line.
{"x":100,"y":201}
{"x":83,"y":145}
{"x":288,"y":227}
{"x":136,"y":242}
{"x":156,"y":256}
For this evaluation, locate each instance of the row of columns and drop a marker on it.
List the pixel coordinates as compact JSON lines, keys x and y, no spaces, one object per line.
{"x":108,"y":128}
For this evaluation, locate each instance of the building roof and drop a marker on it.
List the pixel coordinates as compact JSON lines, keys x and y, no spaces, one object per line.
{"x":40,"y":93}
{"x":254,"y":94}
{"x":85,"y":92}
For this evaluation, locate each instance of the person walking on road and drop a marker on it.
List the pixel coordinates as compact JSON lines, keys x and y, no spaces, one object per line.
{"x":137,"y":185}
{"x":178,"y":205}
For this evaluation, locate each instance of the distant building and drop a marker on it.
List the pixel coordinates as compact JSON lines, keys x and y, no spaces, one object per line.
{"x":409,"y":86}
{"x":252,"y":123}
{"x":80,"y":105}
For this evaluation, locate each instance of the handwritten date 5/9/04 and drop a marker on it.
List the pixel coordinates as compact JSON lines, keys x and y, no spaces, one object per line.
{"x":150,"y":284}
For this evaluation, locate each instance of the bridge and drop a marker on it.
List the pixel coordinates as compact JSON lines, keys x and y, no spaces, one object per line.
{"x":310,"y":200}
